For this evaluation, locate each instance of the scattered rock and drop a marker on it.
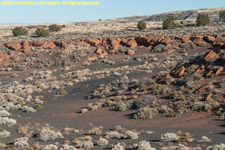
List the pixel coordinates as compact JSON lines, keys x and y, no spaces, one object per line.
{"x":210,"y":55}
{"x":130,"y":52}
{"x":180,"y":72}
{"x":14,"y":46}
{"x":49,"y":45}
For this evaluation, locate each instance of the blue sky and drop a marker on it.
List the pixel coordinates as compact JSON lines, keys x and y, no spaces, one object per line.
{"x":106,"y":10}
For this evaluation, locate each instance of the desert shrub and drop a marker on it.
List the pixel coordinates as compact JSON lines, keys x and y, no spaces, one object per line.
{"x":146,"y":101}
{"x":63,"y":26}
{"x":169,"y":137}
{"x":143,"y":145}
{"x":48,"y":134}
{"x":145,"y":113}
{"x":44,"y":26}
{"x":202,"y":20}
{"x":62,"y":92}
{"x":141,"y":25}
{"x":18,"y":31}
{"x":118,"y":146}
{"x":169,"y":23}
{"x":222,"y":14}
{"x":54,"y":28}
{"x":41,"y":32}
{"x":95,"y":131}
{"x":31,"y":27}
{"x":87,"y":145}
{"x":217,"y":146}
{"x":102,"y":142}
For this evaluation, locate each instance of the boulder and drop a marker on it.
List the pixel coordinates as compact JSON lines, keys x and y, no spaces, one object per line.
{"x":14,"y":46}
{"x":166,"y":40}
{"x":196,"y":39}
{"x":26,"y":47}
{"x":209,"y":39}
{"x":144,"y":40}
{"x":157,"y":39}
{"x":102,"y":55}
{"x":209,"y":55}
{"x":219,"y":70}
{"x":48,"y":45}
{"x":220,"y":39}
{"x":61,"y":44}
{"x":94,"y":42}
{"x":129,"y":42}
{"x":185,"y":39}
{"x":115,"y":43}
{"x":99,"y":51}
{"x":92,"y":58}
{"x":3,"y":56}
{"x":130,"y":52}
{"x":201,"y":43}
{"x":37,"y":44}
{"x":209,"y":96}
{"x":180,"y":72}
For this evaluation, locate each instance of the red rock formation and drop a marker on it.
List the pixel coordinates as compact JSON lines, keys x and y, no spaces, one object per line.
{"x":185,"y":39}
{"x":201,"y":43}
{"x":209,"y":55}
{"x":26,"y":47}
{"x":196,"y":39}
{"x":37,"y":44}
{"x":94,"y":42}
{"x":166,"y":41}
{"x":209,"y":39}
{"x":209,"y":96}
{"x":219,"y":70}
{"x":203,"y":88}
{"x":180,"y":72}
{"x":115,"y":43}
{"x":48,"y":45}
{"x":130,"y":52}
{"x":3,"y":56}
{"x":14,"y":46}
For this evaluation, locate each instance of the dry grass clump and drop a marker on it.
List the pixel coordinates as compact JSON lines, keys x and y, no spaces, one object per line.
{"x":169,"y":137}
{"x":47,"y":134}
{"x":115,"y":134}
{"x":95,"y":131}
{"x":118,"y":146}
{"x":102,"y":142}
{"x":4,"y":134}
{"x":146,"y":113}
{"x":143,"y":145}
{"x":216,"y":147}
{"x":21,"y":143}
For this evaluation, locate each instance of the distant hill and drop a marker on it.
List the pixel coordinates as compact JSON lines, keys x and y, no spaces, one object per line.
{"x":181,"y":15}
{"x":187,"y":15}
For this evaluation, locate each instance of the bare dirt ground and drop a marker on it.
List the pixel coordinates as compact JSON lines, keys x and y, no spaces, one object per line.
{"x":106,"y":85}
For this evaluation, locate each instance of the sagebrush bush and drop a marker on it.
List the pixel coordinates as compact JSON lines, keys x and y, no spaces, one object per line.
{"x":54,"y":28}
{"x":18,"y":31}
{"x":202,"y":20}
{"x":62,"y":92}
{"x":169,"y":23}
{"x":41,"y":32}
{"x":222,"y":14}
{"x":141,"y":25}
